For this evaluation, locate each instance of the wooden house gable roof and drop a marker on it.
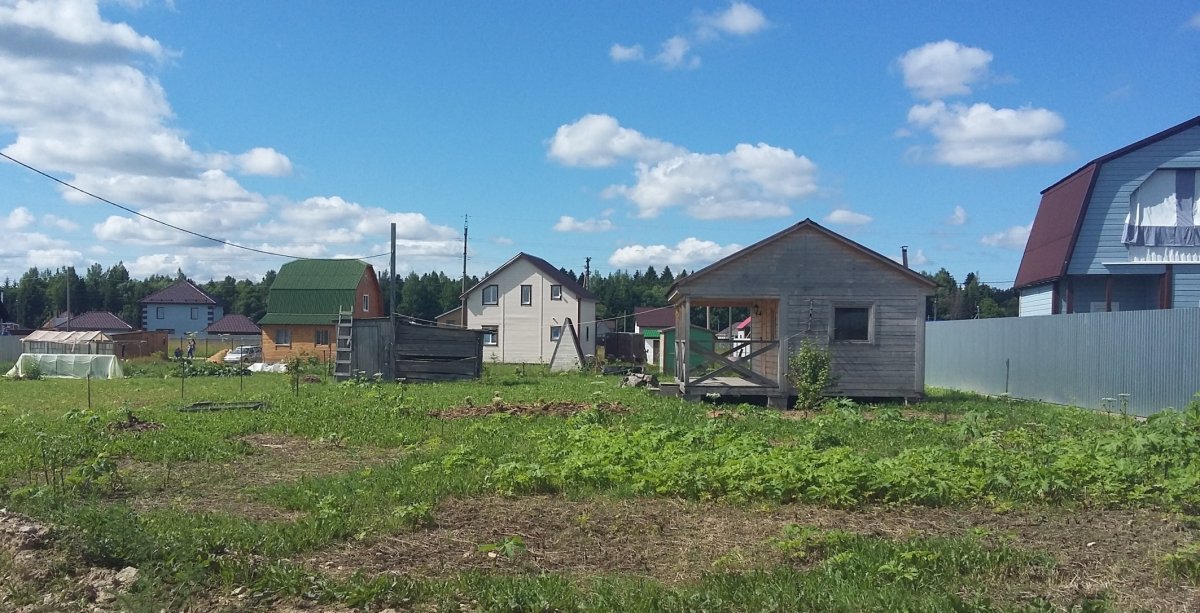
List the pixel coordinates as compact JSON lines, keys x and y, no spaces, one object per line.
{"x":806,"y":226}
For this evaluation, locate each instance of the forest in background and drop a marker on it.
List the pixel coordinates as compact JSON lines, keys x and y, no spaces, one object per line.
{"x":42,"y":293}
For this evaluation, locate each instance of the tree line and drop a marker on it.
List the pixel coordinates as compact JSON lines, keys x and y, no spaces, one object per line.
{"x":40,"y":294}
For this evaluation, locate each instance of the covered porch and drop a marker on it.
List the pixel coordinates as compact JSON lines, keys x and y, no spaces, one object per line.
{"x":751,"y":366}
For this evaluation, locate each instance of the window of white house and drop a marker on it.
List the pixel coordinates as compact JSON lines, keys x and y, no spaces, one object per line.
{"x":556,"y":292}
{"x":491,"y":294}
{"x":555,"y":332}
{"x":283,"y":336}
{"x":852,"y":324}
{"x":491,"y":335}
{"x":195,"y":312}
{"x":160,"y":312}
{"x":526,"y":295}
{"x":321,"y":337}
{"x":366,"y":302}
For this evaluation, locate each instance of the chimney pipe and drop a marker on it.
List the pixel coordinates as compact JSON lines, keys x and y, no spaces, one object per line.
{"x":904,"y":255}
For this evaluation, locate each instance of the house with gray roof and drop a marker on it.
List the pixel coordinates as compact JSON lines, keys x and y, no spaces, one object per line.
{"x":181,"y":308}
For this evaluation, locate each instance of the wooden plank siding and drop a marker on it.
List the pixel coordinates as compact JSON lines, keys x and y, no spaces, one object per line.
{"x":808,"y":274}
{"x":1185,"y":289}
{"x":1099,"y":238}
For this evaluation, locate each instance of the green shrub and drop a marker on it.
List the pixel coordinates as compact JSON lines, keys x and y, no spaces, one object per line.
{"x":809,"y":372}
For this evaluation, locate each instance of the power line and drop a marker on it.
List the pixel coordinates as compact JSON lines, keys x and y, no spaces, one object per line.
{"x":159,"y":221}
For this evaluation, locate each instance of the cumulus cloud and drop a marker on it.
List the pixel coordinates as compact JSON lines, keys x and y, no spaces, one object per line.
{"x":750,"y":181}
{"x":61,"y":223}
{"x":69,"y":26}
{"x":918,"y":258}
{"x":157,"y":264}
{"x":52,"y":258}
{"x":983,"y":136}
{"x":674,"y":53}
{"x":1012,"y":238}
{"x":621,"y":53}
{"x":945,"y":68}
{"x":17,"y":219}
{"x":599,"y":140}
{"x":334,"y":220}
{"x":688,"y":252}
{"x":847,"y":217}
{"x":264,"y":161}
{"x":740,"y":19}
{"x":566,"y":223}
{"x":958,"y":217}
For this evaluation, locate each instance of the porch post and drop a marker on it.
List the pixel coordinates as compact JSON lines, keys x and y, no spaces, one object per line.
{"x":781,"y":327}
{"x":683,"y":326}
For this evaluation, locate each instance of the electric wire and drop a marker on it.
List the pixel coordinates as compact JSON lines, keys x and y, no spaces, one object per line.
{"x":169,"y":225}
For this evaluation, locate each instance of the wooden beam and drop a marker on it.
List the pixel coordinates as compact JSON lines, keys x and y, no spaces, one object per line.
{"x":1108,"y":292}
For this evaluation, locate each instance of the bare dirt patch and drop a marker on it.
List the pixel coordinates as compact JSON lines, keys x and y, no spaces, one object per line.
{"x":561,"y":409}
{"x":1111,"y":552}
{"x":133,"y":423}
{"x":230,"y":487}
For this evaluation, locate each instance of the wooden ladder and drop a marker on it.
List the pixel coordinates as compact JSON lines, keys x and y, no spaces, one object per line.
{"x":343,"y":369}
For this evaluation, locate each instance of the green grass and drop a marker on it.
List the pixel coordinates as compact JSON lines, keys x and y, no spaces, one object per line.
{"x":59,"y":461}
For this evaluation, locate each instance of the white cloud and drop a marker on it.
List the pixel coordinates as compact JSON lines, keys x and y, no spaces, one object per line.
{"x":918,"y":258}
{"x":959,"y":217}
{"x":599,"y":140}
{"x":1012,"y":238}
{"x":566,"y":223}
{"x":982,"y":136}
{"x":847,"y":217}
{"x":1194,"y":22}
{"x":264,"y":161}
{"x":503,"y":240}
{"x":73,"y":26}
{"x":53,"y":258}
{"x":688,"y":252}
{"x":674,"y":53}
{"x":62,"y":223}
{"x":740,"y":19}
{"x":621,"y":53}
{"x":157,"y":264}
{"x":752,"y":181}
{"x":945,"y":68}
{"x":17,"y":219}
{"x":335,"y":220}
{"x":678,"y":52}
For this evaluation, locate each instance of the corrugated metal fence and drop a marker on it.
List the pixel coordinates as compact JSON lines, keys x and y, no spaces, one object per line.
{"x":1080,"y":359}
{"x":10,"y":348}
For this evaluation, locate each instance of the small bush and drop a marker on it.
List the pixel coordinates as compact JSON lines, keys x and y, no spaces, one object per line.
{"x":809,"y":372}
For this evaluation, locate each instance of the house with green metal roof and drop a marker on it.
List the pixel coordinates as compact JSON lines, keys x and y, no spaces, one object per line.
{"x":304,"y":303}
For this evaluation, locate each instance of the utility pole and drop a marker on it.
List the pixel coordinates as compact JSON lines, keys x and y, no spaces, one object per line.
{"x":463,"y":295}
{"x":587,"y":273}
{"x":68,"y":299}
{"x":391,"y":344}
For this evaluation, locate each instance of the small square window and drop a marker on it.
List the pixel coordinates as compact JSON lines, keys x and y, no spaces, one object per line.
{"x":491,"y":335}
{"x":556,"y":292}
{"x":526,"y":295}
{"x":321,"y":337}
{"x":283,"y":336}
{"x":491,"y":294}
{"x":852,"y":324}
{"x":555,"y":332}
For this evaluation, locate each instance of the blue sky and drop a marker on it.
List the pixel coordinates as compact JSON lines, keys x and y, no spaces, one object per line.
{"x":633,"y":133}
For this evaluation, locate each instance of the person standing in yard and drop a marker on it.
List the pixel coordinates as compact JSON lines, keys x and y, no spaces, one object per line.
{"x":191,"y":348}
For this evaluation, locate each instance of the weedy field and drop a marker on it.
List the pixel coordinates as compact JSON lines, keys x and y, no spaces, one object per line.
{"x":534,"y":492}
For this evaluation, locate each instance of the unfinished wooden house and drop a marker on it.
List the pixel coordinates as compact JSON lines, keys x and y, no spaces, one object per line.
{"x":806,"y":282}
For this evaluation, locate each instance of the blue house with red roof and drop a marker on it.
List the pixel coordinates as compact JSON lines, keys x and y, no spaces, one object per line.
{"x":180,"y":308}
{"x":1122,"y":233}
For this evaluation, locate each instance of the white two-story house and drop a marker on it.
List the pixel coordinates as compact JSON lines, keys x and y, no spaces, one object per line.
{"x":524,"y":306}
